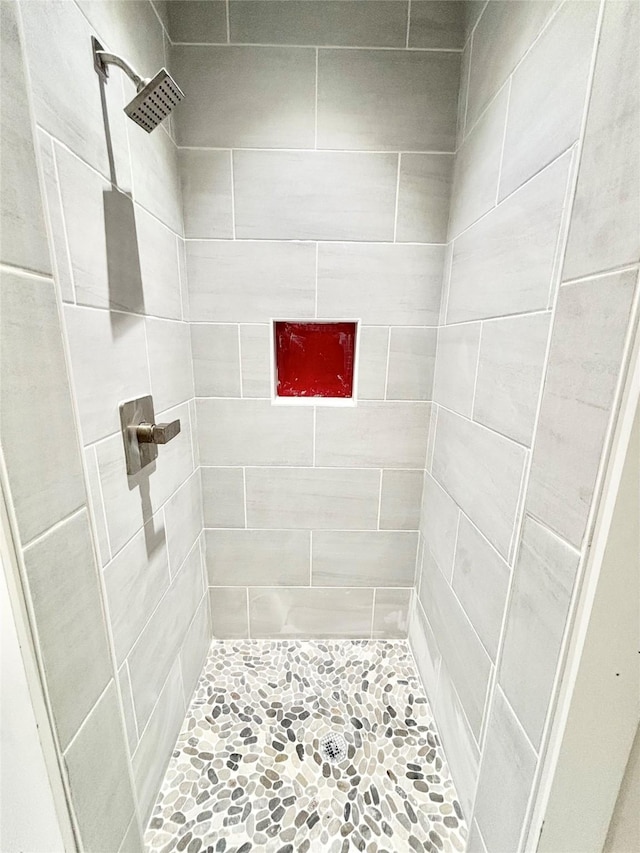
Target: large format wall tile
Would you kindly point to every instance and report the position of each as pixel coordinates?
(390, 435)
(437, 24)
(310, 612)
(216, 359)
(424, 189)
(480, 580)
(543, 581)
(183, 516)
(255, 360)
(52, 203)
(353, 281)
(197, 20)
(223, 497)
(481, 470)
(169, 349)
(194, 649)
(372, 362)
(412, 358)
(584, 364)
(400, 500)
(391, 613)
(294, 195)
(342, 558)
(344, 22)
(506, 776)
(467, 661)
(510, 367)
(245, 97)
(250, 281)
(97, 763)
(547, 97)
(64, 589)
(312, 498)
(425, 650)
(387, 100)
(456, 366)
(121, 24)
(41, 450)
(205, 177)
(255, 557)
(229, 613)
(253, 432)
(503, 264)
(605, 222)
(159, 265)
(438, 524)
(154, 166)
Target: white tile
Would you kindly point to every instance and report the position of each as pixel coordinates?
(437, 24)
(194, 649)
(310, 612)
(205, 177)
(169, 348)
(312, 498)
(391, 613)
(183, 517)
(216, 359)
(250, 281)
(255, 360)
(154, 166)
(353, 281)
(297, 195)
(374, 558)
(223, 497)
(159, 266)
(424, 191)
(412, 359)
(438, 524)
(229, 615)
(456, 364)
(256, 557)
(372, 364)
(400, 499)
(53, 210)
(372, 435)
(127, 709)
(425, 651)
(95, 493)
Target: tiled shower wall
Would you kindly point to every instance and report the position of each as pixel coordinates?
(544, 244)
(316, 151)
(115, 218)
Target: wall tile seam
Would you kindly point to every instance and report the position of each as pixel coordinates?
(133, 314)
(377, 400)
(482, 426)
(25, 272)
(285, 150)
(504, 141)
(159, 17)
(497, 318)
(280, 587)
(313, 46)
(227, 13)
(373, 610)
(313, 529)
(519, 517)
(204, 599)
(585, 279)
(299, 241)
(125, 666)
(67, 251)
(55, 527)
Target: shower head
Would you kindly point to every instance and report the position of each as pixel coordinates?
(156, 97)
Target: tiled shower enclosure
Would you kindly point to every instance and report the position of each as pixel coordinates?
(452, 176)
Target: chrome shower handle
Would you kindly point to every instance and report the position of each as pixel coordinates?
(157, 433)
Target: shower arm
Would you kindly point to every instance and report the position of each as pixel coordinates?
(103, 59)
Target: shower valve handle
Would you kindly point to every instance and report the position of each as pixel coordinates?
(157, 433)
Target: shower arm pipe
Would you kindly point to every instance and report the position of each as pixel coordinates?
(104, 58)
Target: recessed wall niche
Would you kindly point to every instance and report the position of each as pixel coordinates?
(314, 362)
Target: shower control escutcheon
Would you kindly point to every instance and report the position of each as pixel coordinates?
(141, 434)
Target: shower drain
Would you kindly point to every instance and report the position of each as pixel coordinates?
(333, 747)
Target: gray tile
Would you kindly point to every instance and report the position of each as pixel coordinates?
(95, 493)
(197, 20)
(24, 239)
(504, 263)
(387, 100)
(372, 364)
(464, 85)
(205, 177)
(467, 662)
(153, 656)
(480, 580)
(584, 363)
(183, 517)
(373, 435)
(438, 524)
(475, 844)
(504, 33)
(223, 497)
(132, 841)
(438, 24)
(159, 266)
(391, 613)
(510, 370)
(345, 22)
(36, 410)
(458, 740)
(64, 589)
(412, 359)
(473, 10)
(216, 359)
(543, 581)
(477, 169)
(245, 97)
(157, 742)
(135, 581)
(506, 777)
(194, 649)
(250, 281)
(605, 221)
(127, 709)
(353, 281)
(400, 500)
(255, 360)
(255, 557)
(169, 349)
(97, 764)
(253, 432)
(456, 366)
(297, 195)
(350, 558)
(425, 650)
(310, 612)
(154, 166)
(424, 191)
(312, 498)
(481, 470)
(229, 615)
(53, 211)
(130, 501)
(548, 92)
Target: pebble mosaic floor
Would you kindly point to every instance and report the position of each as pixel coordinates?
(247, 773)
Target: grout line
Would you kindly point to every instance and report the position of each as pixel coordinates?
(504, 140)
(358, 47)
(406, 42)
(318, 530)
(373, 610)
(317, 264)
(240, 363)
(244, 488)
(246, 589)
(64, 222)
(475, 379)
(308, 150)
(315, 125)
(228, 17)
(93, 450)
(311, 558)
(54, 527)
(315, 409)
(133, 707)
(380, 499)
(455, 549)
(233, 196)
(386, 375)
(395, 213)
(604, 274)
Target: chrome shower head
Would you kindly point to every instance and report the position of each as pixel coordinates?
(156, 97)
(155, 100)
